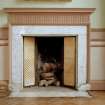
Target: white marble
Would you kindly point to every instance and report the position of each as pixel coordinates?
(49, 92)
(17, 49)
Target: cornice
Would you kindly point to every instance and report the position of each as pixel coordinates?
(51, 10)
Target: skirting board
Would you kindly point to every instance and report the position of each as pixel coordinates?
(4, 88)
(97, 85)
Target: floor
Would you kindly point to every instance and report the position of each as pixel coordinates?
(50, 91)
(97, 99)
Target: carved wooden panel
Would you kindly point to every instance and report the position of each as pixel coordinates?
(49, 19)
(69, 61)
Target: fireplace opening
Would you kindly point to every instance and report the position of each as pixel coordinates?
(49, 61)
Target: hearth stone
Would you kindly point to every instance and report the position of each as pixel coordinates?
(50, 91)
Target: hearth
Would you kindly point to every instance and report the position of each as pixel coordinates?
(48, 61)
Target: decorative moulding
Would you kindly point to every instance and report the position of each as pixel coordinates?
(97, 29)
(49, 16)
(51, 10)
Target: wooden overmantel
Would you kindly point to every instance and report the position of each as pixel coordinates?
(49, 16)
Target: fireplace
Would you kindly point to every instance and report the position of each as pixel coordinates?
(48, 61)
(71, 39)
(63, 30)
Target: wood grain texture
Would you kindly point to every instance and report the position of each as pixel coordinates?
(69, 61)
(4, 88)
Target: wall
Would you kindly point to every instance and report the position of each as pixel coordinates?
(4, 62)
(97, 61)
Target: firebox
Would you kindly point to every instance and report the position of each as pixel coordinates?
(49, 61)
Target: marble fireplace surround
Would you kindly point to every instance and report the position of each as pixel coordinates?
(48, 22)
